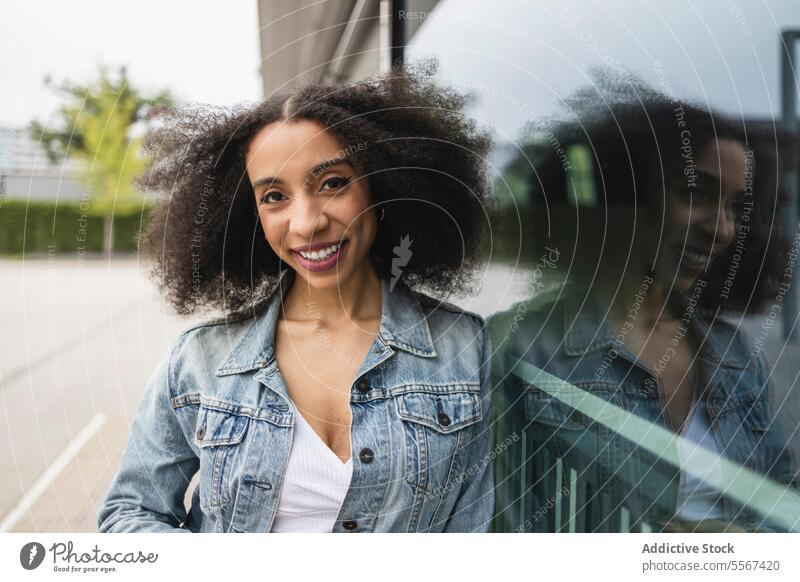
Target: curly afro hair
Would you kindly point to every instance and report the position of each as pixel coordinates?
(408, 135)
(633, 136)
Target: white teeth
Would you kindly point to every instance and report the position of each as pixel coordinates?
(321, 253)
(695, 257)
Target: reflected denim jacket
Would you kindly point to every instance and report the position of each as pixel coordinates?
(217, 404)
(574, 473)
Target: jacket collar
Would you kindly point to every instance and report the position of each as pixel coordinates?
(586, 330)
(404, 325)
(585, 327)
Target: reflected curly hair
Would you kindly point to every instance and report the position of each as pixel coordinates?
(634, 142)
(423, 159)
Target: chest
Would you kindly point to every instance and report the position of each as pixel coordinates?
(670, 358)
(318, 365)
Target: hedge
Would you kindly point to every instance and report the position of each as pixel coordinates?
(32, 223)
(31, 227)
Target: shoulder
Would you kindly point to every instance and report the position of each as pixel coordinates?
(724, 326)
(203, 347)
(458, 335)
(534, 314)
(444, 315)
(460, 339)
(226, 327)
(732, 341)
(212, 328)
(535, 330)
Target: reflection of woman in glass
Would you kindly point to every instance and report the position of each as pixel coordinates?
(663, 217)
(332, 395)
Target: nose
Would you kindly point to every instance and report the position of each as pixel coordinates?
(727, 228)
(719, 226)
(307, 217)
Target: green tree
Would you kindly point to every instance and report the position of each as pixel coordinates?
(97, 124)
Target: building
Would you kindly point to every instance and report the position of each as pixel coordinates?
(342, 40)
(27, 173)
(521, 60)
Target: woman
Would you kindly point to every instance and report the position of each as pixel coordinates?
(668, 212)
(331, 395)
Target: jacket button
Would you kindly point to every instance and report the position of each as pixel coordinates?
(366, 455)
(444, 420)
(363, 386)
(201, 432)
(349, 524)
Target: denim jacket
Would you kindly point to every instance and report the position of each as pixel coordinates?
(614, 485)
(420, 433)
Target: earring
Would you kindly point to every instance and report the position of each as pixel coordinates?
(383, 213)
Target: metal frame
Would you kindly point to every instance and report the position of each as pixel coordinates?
(791, 303)
(398, 33)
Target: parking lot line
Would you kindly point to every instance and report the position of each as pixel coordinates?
(51, 473)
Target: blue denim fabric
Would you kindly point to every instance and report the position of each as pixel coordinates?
(217, 403)
(572, 341)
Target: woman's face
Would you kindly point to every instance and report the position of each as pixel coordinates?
(700, 221)
(314, 208)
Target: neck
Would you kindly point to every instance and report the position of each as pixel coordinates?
(358, 298)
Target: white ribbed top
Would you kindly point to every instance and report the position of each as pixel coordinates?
(697, 500)
(315, 483)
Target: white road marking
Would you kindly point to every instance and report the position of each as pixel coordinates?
(49, 476)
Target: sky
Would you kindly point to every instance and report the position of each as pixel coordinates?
(523, 57)
(203, 51)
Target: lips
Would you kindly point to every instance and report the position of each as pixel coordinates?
(320, 256)
(694, 257)
(315, 247)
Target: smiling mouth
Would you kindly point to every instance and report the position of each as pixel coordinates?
(321, 259)
(320, 254)
(695, 258)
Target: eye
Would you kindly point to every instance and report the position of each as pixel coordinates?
(272, 197)
(335, 183)
(701, 195)
(736, 209)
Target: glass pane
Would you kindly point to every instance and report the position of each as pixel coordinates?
(646, 177)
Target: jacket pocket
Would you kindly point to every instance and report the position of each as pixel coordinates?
(542, 406)
(757, 451)
(551, 412)
(757, 415)
(218, 434)
(437, 438)
(444, 413)
(434, 423)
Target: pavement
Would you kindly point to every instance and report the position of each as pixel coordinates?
(79, 341)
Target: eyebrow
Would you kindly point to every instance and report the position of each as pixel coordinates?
(737, 194)
(311, 173)
(706, 176)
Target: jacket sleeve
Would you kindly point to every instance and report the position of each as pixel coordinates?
(147, 493)
(474, 507)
